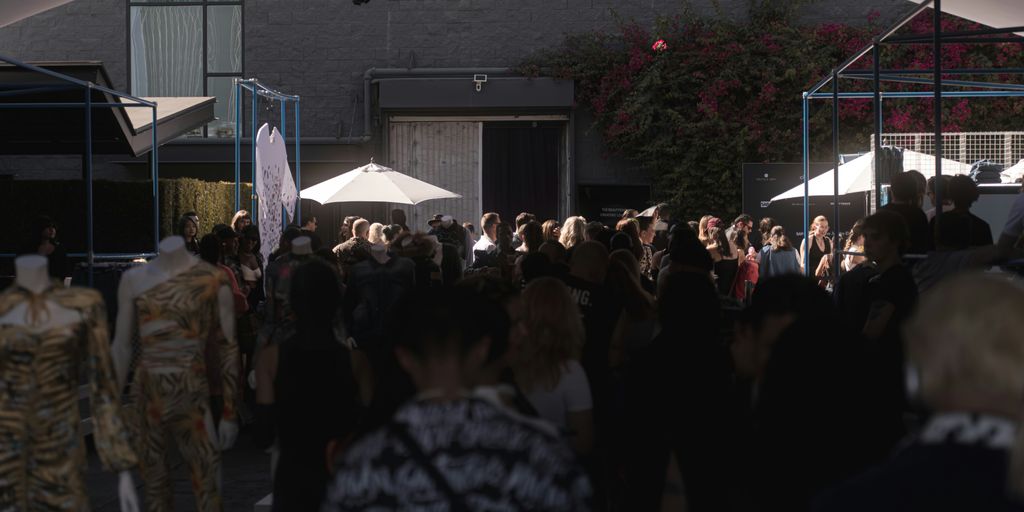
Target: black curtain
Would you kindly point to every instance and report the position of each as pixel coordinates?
(521, 168)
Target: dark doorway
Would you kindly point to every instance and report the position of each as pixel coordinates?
(521, 168)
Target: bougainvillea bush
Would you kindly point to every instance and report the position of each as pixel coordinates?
(694, 98)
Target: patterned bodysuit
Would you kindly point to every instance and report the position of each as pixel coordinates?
(176, 319)
(42, 457)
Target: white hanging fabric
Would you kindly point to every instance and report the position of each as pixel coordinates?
(274, 187)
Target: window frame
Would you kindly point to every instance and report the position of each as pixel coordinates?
(207, 74)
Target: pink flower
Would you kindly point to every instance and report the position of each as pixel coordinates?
(660, 45)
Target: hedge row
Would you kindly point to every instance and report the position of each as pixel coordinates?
(123, 215)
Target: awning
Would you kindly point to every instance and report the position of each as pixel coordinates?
(12, 11)
(992, 13)
(61, 130)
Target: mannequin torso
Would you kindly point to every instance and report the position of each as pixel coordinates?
(44, 332)
(176, 305)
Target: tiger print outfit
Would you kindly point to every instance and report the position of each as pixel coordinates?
(42, 456)
(176, 320)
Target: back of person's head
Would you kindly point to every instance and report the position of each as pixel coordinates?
(593, 230)
(532, 235)
(376, 233)
(523, 218)
(554, 250)
(683, 231)
(468, 226)
(488, 221)
(504, 236)
(590, 261)
(693, 225)
(941, 189)
(631, 227)
(620, 241)
(414, 246)
(209, 249)
(449, 321)
(629, 213)
(307, 219)
(742, 220)
(361, 228)
(963, 191)
(904, 188)
(686, 250)
(716, 235)
(555, 332)
(624, 281)
(535, 265)
(315, 295)
(765, 228)
(964, 342)
(391, 232)
(290, 234)
(688, 301)
(550, 228)
(740, 239)
(856, 232)
(779, 240)
(890, 225)
(920, 183)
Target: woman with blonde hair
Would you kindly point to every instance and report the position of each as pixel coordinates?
(816, 249)
(702, 230)
(240, 220)
(572, 232)
(965, 355)
(376, 235)
(547, 367)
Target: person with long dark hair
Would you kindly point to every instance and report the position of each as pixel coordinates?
(306, 391)
(188, 228)
(725, 256)
(778, 257)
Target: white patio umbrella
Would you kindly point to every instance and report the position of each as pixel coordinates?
(855, 175)
(376, 184)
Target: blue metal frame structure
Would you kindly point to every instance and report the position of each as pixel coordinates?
(258, 90)
(88, 105)
(877, 75)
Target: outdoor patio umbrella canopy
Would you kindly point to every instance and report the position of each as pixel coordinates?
(855, 175)
(376, 184)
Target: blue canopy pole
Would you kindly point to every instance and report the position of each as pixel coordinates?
(238, 145)
(154, 171)
(90, 253)
(807, 179)
(252, 212)
(298, 165)
(876, 56)
(835, 178)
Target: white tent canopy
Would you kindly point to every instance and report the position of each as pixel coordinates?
(993, 13)
(856, 175)
(376, 184)
(1014, 173)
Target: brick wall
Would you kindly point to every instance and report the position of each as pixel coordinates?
(320, 48)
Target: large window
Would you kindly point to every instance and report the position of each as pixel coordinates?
(187, 48)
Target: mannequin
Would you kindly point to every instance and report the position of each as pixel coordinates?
(45, 330)
(175, 305)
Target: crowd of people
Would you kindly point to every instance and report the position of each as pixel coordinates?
(529, 364)
(545, 365)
